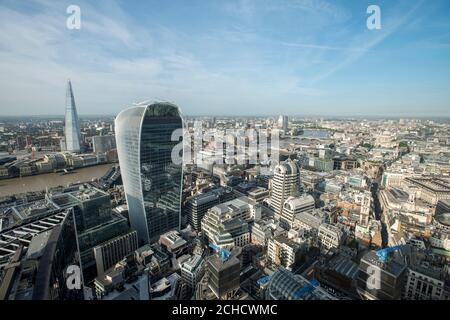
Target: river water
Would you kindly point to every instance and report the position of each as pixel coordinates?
(40, 182)
(315, 133)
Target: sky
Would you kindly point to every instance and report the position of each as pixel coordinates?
(243, 57)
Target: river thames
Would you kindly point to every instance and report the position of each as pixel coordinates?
(40, 182)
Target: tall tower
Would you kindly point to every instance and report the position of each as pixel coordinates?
(71, 128)
(146, 138)
(283, 122)
(285, 183)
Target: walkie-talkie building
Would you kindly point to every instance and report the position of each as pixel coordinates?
(71, 127)
(146, 136)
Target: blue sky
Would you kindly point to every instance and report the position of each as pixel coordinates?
(248, 57)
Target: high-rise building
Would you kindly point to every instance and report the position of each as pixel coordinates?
(285, 183)
(283, 122)
(95, 222)
(71, 127)
(146, 137)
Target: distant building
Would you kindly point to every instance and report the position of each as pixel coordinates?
(103, 144)
(71, 127)
(113, 285)
(425, 280)
(261, 232)
(442, 207)
(430, 190)
(343, 162)
(283, 122)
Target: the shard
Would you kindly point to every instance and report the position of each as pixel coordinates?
(72, 127)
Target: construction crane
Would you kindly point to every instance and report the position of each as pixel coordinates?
(308, 288)
(383, 254)
(224, 254)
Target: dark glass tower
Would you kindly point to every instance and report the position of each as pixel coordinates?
(146, 136)
(71, 127)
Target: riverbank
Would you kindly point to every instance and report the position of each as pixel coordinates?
(13, 186)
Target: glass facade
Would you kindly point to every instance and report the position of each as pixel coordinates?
(146, 137)
(71, 126)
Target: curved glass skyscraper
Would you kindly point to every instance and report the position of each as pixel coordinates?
(71, 126)
(146, 136)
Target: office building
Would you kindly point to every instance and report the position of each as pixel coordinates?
(329, 236)
(37, 271)
(72, 133)
(151, 178)
(285, 285)
(103, 144)
(283, 122)
(95, 222)
(226, 224)
(285, 183)
(224, 275)
(283, 251)
(296, 205)
(431, 190)
(192, 270)
(112, 251)
(425, 279)
(173, 243)
(378, 280)
(197, 206)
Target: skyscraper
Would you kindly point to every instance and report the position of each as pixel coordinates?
(72, 127)
(283, 122)
(285, 183)
(146, 138)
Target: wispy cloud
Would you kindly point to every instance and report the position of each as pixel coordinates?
(238, 57)
(370, 41)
